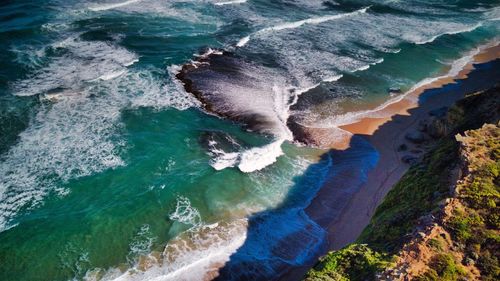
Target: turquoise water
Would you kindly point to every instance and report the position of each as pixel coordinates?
(109, 169)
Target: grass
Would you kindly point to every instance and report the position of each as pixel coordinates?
(443, 267)
(355, 262)
(476, 227)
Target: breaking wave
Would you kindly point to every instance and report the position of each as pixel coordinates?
(296, 24)
(110, 6)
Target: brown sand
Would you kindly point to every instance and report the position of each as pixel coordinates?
(385, 134)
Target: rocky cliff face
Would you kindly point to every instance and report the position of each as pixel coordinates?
(442, 220)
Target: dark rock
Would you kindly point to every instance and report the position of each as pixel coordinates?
(474, 256)
(421, 234)
(427, 219)
(458, 245)
(416, 151)
(421, 167)
(422, 125)
(442, 203)
(409, 159)
(415, 137)
(438, 128)
(402, 147)
(440, 112)
(436, 194)
(394, 90)
(469, 261)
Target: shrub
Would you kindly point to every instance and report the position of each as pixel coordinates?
(442, 267)
(354, 262)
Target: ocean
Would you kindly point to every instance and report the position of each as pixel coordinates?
(156, 139)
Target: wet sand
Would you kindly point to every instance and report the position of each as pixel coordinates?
(346, 216)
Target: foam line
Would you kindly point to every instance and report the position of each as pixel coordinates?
(112, 6)
(230, 2)
(296, 24)
(243, 41)
(472, 28)
(365, 67)
(317, 20)
(333, 78)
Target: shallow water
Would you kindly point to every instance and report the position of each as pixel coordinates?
(109, 169)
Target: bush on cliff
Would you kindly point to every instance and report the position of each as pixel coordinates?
(355, 262)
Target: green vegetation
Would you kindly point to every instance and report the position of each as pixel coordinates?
(436, 244)
(477, 226)
(355, 262)
(443, 267)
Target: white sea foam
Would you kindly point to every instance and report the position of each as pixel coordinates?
(141, 244)
(185, 213)
(74, 258)
(290, 25)
(229, 2)
(111, 75)
(150, 91)
(243, 41)
(110, 6)
(55, 27)
(29, 56)
(367, 66)
(85, 62)
(493, 14)
(316, 20)
(249, 160)
(451, 32)
(333, 78)
(209, 52)
(224, 159)
(260, 157)
(131, 62)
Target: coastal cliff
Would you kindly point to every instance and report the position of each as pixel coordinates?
(440, 221)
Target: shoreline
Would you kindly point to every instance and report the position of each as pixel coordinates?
(386, 134)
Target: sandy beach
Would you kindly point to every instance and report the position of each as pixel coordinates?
(345, 211)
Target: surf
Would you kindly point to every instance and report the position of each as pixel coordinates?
(291, 25)
(111, 6)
